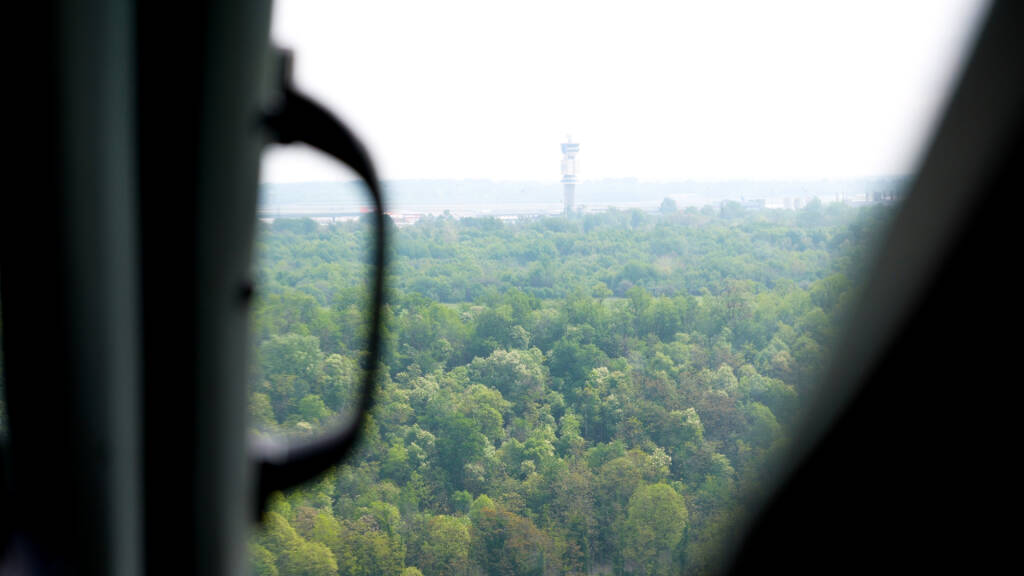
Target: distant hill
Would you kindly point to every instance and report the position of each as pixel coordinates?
(422, 194)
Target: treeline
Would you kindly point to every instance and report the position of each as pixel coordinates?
(589, 396)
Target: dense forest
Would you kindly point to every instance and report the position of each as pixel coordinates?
(595, 395)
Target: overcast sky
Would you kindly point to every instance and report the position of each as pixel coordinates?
(666, 90)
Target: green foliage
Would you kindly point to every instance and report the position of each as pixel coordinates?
(592, 396)
(313, 410)
(655, 523)
(308, 559)
(293, 553)
(443, 546)
(262, 561)
(504, 543)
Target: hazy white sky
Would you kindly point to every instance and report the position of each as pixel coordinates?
(666, 90)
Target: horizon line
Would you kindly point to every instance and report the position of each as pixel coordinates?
(617, 179)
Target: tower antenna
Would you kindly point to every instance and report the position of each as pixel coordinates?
(569, 165)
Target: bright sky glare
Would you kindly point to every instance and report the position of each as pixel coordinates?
(665, 90)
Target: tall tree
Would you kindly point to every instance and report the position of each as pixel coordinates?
(655, 524)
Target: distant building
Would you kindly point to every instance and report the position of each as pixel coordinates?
(569, 165)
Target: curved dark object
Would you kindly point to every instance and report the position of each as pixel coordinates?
(282, 464)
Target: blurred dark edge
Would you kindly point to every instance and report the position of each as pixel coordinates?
(904, 461)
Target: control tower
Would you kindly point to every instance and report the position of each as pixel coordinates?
(569, 166)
